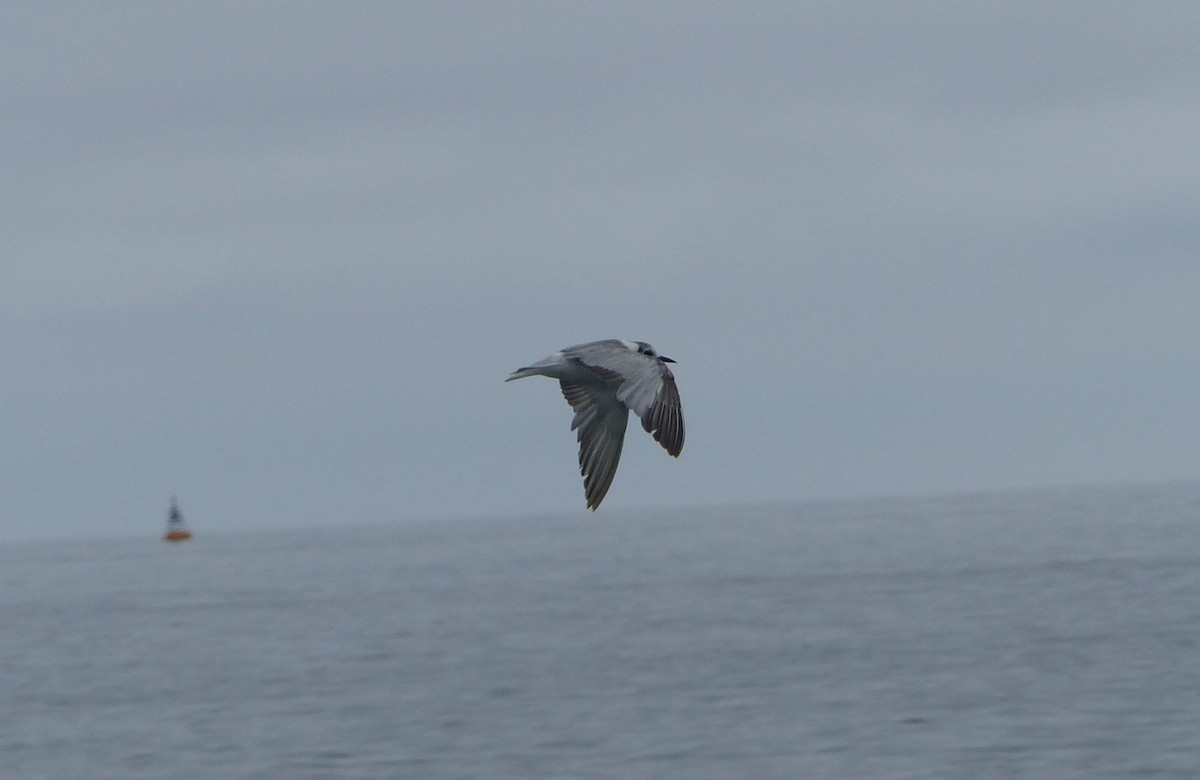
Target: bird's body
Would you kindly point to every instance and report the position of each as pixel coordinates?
(602, 381)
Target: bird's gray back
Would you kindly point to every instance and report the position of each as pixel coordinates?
(642, 375)
(595, 350)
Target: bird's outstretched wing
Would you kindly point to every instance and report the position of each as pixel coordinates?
(663, 418)
(601, 422)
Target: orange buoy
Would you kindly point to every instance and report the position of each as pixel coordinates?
(176, 530)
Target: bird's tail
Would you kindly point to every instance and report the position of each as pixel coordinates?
(521, 373)
(547, 366)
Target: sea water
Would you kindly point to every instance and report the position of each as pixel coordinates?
(1045, 634)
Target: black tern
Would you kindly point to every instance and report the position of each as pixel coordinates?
(602, 381)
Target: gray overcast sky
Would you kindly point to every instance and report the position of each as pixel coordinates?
(278, 258)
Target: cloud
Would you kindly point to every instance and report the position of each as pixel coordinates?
(278, 258)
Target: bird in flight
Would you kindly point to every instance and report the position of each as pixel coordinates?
(602, 381)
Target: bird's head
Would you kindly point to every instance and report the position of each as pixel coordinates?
(642, 348)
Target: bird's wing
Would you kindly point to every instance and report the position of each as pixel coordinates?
(663, 418)
(646, 386)
(601, 422)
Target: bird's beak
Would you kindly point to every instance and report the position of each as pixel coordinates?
(665, 359)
